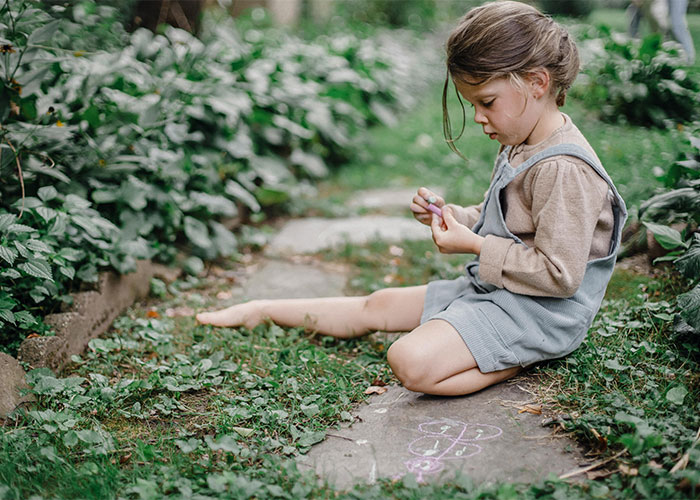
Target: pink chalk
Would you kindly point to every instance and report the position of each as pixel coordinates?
(434, 209)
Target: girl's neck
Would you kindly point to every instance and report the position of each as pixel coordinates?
(550, 120)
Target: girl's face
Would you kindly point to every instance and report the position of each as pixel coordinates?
(507, 113)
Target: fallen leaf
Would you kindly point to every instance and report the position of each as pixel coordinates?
(597, 474)
(534, 409)
(33, 335)
(223, 295)
(396, 251)
(378, 382)
(373, 389)
(244, 431)
(124, 458)
(152, 314)
(628, 471)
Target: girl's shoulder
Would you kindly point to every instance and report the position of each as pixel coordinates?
(568, 133)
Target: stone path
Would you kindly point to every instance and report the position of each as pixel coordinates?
(493, 435)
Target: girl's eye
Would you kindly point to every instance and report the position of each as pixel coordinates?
(488, 104)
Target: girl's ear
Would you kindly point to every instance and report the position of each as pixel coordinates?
(538, 82)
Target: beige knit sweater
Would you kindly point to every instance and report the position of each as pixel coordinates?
(561, 209)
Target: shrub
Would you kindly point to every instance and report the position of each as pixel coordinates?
(679, 204)
(642, 82)
(164, 139)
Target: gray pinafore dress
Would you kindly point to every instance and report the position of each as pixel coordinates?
(503, 329)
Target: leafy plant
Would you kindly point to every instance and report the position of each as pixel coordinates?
(642, 82)
(680, 206)
(167, 138)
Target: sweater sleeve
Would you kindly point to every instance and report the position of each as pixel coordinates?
(567, 199)
(467, 216)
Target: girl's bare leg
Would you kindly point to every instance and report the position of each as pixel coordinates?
(434, 359)
(390, 310)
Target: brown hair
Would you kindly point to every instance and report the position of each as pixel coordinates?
(508, 40)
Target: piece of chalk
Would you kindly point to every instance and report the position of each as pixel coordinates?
(431, 199)
(435, 209)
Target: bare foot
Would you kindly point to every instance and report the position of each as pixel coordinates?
(248, 314)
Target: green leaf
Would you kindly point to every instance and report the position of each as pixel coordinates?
(46, 213)
(7, 315)
(68, 272)
(677, 394)
(8, 254)
(47, 193)
(43, 34)
(6, 221)
(310, 438)
(193, 265)
(240, 193)
(310, 410)
(689, 304)
(196, 231)
(225, 443)
(689, 262)
(667, 237)
(21, 228)
(38, 246)
(37, 268)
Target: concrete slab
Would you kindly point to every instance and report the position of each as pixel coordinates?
(314, 234)
(481, 435)
(282, 280)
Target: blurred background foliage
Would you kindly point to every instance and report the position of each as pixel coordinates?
(137, 129)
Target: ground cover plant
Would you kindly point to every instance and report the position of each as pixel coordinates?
(164, 139)
(162, 408)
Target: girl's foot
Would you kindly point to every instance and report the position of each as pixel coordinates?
(248, 315)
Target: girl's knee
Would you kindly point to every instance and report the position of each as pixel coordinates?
(408, 364)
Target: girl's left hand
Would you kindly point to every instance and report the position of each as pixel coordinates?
(452, 237)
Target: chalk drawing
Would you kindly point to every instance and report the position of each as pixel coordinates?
(446, 439)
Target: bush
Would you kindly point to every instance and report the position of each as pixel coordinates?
(155, 144)
(679, 205)
(642, 82)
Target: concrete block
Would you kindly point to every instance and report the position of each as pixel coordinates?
(91, 315)
(11, 383)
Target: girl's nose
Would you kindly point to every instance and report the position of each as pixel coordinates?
(479, 117)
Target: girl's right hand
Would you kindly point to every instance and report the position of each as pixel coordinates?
(419, 205)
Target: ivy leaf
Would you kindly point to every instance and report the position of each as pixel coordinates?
(689, 304)
(677, 394)
(37, 268)
(8, 254)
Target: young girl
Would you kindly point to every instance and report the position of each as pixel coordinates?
(545, 236)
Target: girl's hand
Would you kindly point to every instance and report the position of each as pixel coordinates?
(452, 237)
(419, 206)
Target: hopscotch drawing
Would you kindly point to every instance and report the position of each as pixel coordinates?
(446, 439)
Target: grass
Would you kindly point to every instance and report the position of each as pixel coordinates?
(161, 407)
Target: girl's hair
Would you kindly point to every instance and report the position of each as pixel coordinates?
(508, 39)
